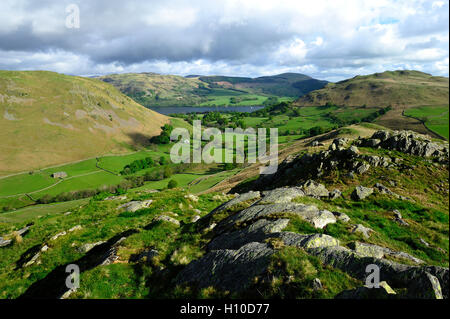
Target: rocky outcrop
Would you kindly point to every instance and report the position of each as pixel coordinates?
(384, 291)
(361, 192)
(5, 242)
(408, 142)
(314, 189)
(228, 269)
(134, 206)
(244, 241)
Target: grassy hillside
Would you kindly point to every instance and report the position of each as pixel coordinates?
(395, 88)
(48, 118)
(434, 118)
(155, 90)
(127, 237)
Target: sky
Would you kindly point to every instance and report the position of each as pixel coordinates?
(330, 40)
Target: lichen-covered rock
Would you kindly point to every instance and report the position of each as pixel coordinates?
(342, 217)
(55, 237)
(336, 193)
(168, 219)
(314, 189)
(134, 206)
(87, 247)
(410, 143)
(5, 242)
(226, 269)
(309, 213)
(367, 250)
(281, 195)
(365, 231)
(361, 192)
(384, 291)
(238, 203)
(256, 232)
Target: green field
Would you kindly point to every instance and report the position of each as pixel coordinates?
(434, 117)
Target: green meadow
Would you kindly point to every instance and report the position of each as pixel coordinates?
(435, 118)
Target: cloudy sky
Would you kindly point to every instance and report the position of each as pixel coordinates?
(329, 40)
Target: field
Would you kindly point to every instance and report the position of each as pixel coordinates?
(435, 118)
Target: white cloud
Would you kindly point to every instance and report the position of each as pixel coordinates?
(327, 39)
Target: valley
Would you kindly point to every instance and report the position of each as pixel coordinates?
(352, 188)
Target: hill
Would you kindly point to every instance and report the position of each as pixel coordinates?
(155, 90)
(395, 88)
(49, 118)
(399, 89)
(308, 231)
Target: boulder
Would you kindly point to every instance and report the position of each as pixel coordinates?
(384, 291)
(342, 217)
(365, 231)
(55, 237)
(165, 218)
(256, 232)
(361, 192)
(281, 195)
(314, 189)
(227, 269)
(87, 247)
(195, 218)
(134, 206)
(336, 193)
(5, 242)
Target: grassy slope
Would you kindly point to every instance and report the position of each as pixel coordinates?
(435, 118)
(49, 118)
(396, 88)
(427, 215)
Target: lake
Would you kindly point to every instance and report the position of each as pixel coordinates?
(191, 109)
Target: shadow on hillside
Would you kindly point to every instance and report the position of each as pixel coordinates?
(139, 140)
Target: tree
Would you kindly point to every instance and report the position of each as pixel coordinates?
(167, 172)
(172, 184)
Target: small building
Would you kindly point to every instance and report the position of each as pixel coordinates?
(59, 175)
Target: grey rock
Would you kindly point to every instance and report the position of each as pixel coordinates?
(195, 219)
(424, 242)
(362, 168)
(397, 213)
(256, 232)
(227, 269)
(336, 193)
(365, 231)
(342, 217)
(55, 237)
(5, 242)
(314, 189)
(238, 203)
(384, 291)
(372, 142)
(361, 192)
(134, 206)
(165, 218)
(87, 247)
(317, 284)
(281, 195)
(309, 213)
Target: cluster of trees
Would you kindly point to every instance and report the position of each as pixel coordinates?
(164, 137)
(141, 164)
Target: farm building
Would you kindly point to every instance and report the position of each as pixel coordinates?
(59, 175)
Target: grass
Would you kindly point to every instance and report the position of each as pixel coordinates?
(55, 118)
(435, 118)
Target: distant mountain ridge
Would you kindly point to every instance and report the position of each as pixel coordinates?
(151, 89)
